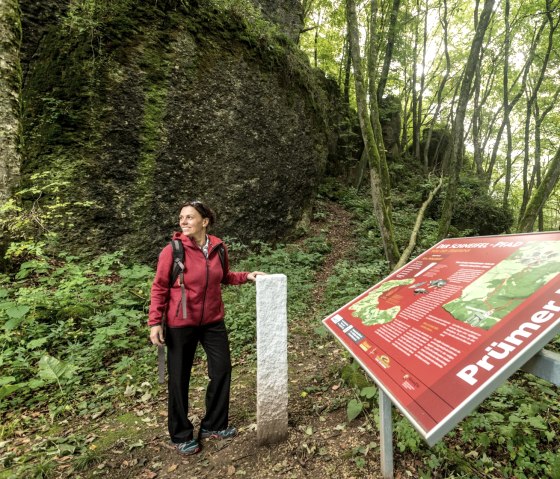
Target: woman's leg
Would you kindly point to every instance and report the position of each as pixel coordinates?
(214, 340)
(181, 346)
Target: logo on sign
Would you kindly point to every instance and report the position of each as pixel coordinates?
(384, 361)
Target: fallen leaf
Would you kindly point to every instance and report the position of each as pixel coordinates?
(335, 387)
(97, 414)
(231, 470)
(172, 467)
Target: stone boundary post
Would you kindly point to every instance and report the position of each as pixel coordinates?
(272, 359)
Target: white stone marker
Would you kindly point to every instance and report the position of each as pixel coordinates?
(272, 358)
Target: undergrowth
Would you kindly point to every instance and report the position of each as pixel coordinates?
(74, 342)
(513, 434)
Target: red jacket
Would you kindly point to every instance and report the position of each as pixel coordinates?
(202, 278)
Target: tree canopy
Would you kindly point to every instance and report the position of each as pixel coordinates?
(484, 71)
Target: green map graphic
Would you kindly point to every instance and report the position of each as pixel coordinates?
(367, 309)
(499, 291)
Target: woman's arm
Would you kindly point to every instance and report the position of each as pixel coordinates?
(160, 287)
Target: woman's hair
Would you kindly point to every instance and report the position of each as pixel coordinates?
(205, 211)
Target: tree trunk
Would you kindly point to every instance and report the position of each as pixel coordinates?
(505, 102)
(538, 179)
(374, 107)
(530, 102)
(381, 212)
(391, 35)
(317, 39)
(542, 193)
(346, 90)
(415, 112)
(509, 107)
(439, 101)
(422, 85)
(457, 131)
(10, 94)
(417, 224)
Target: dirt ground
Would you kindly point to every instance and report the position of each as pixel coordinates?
(321, 442)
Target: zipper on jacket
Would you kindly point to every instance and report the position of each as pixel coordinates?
(205, 289)
(206, 286)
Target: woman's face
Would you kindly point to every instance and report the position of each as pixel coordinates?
(192, 223)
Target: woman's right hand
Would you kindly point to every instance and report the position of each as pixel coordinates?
(156, 335)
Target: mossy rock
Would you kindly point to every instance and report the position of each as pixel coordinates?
(157, 103)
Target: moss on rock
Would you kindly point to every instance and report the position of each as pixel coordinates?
(142, 106)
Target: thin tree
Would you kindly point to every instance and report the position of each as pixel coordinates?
(439, 97)
(373, 105)
(507, 109)
(456, 160)
(10, 93)
(378, 199)
(539, 119)
(542, 193)
(391, 36)
(531, 101)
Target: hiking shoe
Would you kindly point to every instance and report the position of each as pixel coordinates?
(188, 448)
(223, 434)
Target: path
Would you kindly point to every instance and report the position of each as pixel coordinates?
(320, 444)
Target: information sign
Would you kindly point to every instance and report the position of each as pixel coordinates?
(440, 334)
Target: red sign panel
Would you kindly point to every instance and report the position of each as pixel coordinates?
(440, 334)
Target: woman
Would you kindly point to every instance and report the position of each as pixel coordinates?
(201, 281)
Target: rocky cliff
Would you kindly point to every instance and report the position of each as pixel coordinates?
(133, 107)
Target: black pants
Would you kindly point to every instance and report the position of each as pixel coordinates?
(181, 346)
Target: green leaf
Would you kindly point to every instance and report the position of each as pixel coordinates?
(368, 392)
(7, 380)
(51, 369)
(12, 324)
(538, 422)
(353, 409)
(17, 312)
(35, 343)
(8, 389)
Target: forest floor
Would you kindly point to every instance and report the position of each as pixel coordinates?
(131, 440)
(321, 442)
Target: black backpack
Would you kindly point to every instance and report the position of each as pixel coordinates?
(179, 258)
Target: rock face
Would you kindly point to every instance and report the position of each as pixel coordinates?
(288, 14)
(141, 106)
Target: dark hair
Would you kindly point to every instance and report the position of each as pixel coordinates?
(205, 211)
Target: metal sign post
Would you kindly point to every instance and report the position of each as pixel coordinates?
(386, 426)
(545, 365)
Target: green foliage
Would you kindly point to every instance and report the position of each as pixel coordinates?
(475, 212)
(364, 401)
(71, 324)
(513, 434)
(298, 263)
(28, 218)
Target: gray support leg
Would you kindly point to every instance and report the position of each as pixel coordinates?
(272, 359)
(386, 435)
(546, 365)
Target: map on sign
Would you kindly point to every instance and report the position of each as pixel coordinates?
(499, 291)
(440, 334)
(368, 309)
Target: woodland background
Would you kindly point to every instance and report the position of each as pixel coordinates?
(421, 119)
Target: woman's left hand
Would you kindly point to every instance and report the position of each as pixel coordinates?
(253, 276)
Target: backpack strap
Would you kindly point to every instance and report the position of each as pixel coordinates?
(177, 270)
(222, 255)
